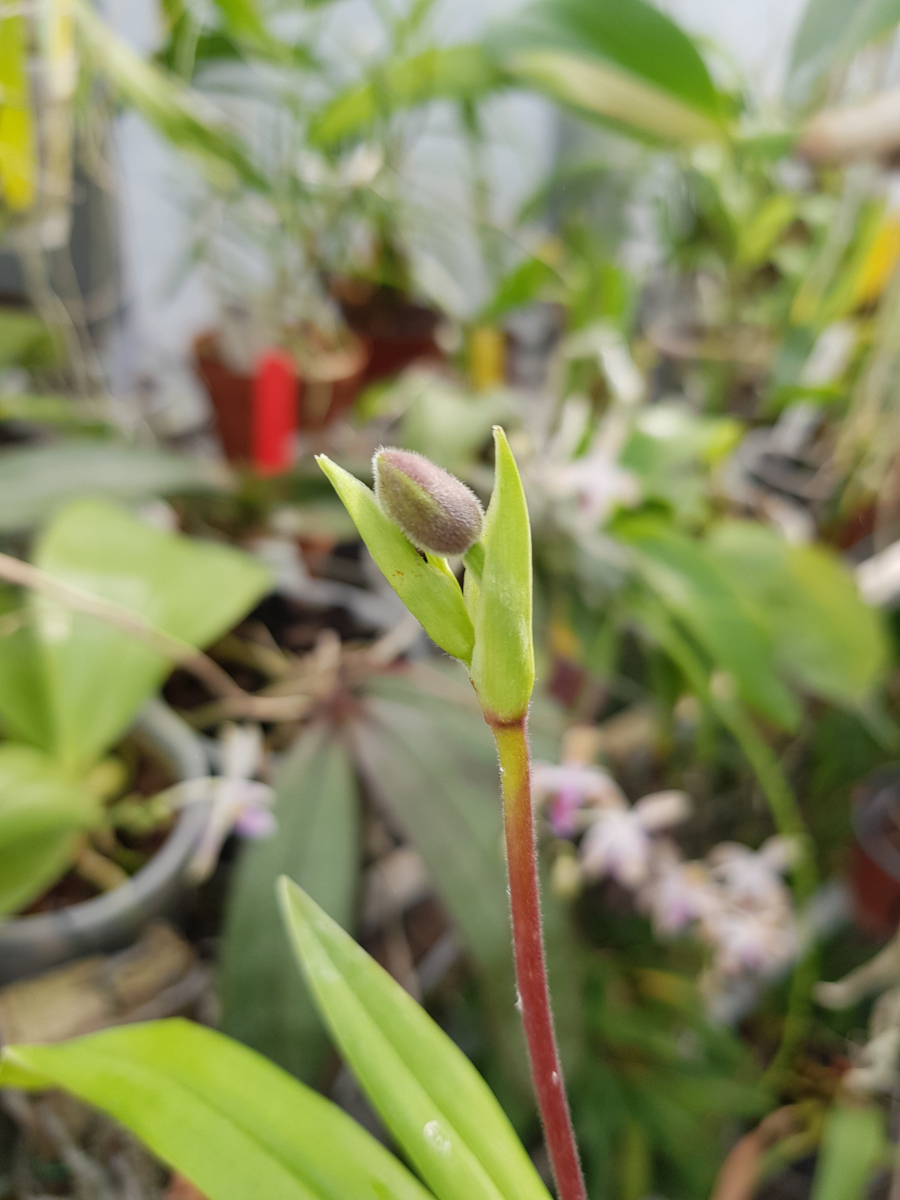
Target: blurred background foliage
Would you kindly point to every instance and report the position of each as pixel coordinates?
(689, 328)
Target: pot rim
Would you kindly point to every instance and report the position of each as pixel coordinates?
(169, 735)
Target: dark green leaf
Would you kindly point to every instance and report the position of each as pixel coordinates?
(265, 1004)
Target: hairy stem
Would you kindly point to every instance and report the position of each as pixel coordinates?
(531, 967)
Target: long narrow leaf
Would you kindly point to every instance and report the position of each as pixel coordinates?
(427, 1092)
(231, 1122)
(265, 1004)
(853, 1140)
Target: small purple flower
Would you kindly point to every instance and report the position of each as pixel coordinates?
(237, 801)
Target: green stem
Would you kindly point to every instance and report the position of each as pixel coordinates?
(782, 805)
(531, 967)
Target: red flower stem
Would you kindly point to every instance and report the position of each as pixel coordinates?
(531, 967)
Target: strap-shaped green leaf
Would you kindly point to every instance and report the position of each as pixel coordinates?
(432, 596)
(853, 1142)
(236, 1125)
(503, 662)
(427, 1092)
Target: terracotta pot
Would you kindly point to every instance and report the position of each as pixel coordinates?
(397, 331)
(322, 400)
(875, 861)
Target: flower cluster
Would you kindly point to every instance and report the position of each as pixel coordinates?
(734, 900)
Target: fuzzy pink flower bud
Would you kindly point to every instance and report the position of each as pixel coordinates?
(437, 512)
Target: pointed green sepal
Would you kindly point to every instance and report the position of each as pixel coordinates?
(431, 594)
(503, 662)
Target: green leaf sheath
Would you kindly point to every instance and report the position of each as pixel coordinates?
(230, 1121)
(503, 662)
(429, 1095)
(432, 595)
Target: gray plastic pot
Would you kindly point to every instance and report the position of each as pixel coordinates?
(30, 945)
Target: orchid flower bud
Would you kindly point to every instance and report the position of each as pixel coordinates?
(437, 512)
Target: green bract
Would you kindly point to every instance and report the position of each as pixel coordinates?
(429, 591)
(424, 506)
(503, 663)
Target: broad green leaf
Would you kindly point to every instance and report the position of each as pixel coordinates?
(233, 1123)
(830, 33)
(451, 73)
(825, 638)
(671, 449)
(17, 155)
(681, 572)
(853, 1143)
(432, 596)
(24, 702)
(37, 480)
(265, 1004)
(97, 677)
(503, 660)
(165, 102)
(41, 814)
(426, 1091)
(622, 60)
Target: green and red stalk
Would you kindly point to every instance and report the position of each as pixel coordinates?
(531, 967)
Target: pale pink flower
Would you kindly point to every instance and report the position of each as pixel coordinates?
(678, 892)
(237, 801)
(753, 877)
(758, 942)
(571, 788)
(619, 842)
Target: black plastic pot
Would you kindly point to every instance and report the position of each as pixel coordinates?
(30, 945)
